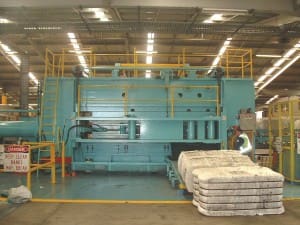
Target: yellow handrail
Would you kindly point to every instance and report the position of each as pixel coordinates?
(35, 166)
(236, 62)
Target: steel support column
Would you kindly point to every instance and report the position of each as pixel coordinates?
(24, 83)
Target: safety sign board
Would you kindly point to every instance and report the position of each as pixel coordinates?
(16, 158)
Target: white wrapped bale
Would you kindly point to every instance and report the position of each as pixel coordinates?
(237, 185)
(244, 174)
(244, 212)
(203, 162)
(235, 206)
(239, 199)
(241, 192)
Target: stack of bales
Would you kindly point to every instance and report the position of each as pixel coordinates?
(225, 183)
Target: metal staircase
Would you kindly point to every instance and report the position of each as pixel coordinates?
(48, 121)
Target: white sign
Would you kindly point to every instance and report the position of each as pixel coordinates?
(298, 142)
(16, 158)
(1, 154)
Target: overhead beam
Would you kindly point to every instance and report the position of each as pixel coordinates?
(161, 27)
(266, 5)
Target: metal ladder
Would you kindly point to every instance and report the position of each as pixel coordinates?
(48, 117)
(48, 120)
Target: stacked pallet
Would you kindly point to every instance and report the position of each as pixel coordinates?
(225, 183)
(191, 160)
(245, 190)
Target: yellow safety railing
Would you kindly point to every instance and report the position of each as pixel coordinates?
(172, 101)
(49, 164)
(237, 63)
(282, 119)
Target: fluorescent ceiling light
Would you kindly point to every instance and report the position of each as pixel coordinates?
(149, 59)
(257, 83)
(262, 78)
(5, 48)
(75, 46)
(271, 99)
(278, 73)
(79, 52)
(208, 21)
(100, 13)
(217, 17)
(73, 40)
(225, 11)
(270, 70)
(16, 59)
(216, 60)
(146, 52)
(268, 56)
(4, 20)
(150, 41)
(213, 18)
(220, 53)
(71, 35)
(290, 52)
(149, 48)
(148, 74)
(150, 35)
(222, 50)
(297, 45)
(279, 62)
(33, 78)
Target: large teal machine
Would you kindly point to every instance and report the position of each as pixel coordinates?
(122, 123)
(137, 124)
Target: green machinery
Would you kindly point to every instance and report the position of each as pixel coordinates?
(284, 136)
(134, 123)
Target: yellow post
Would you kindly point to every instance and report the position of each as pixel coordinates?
(183, 61)
(134, 62)
(4, 99)
(78, 100)
(94, 61)
(63, 160)
(53, 65)
(243, 67)
(183, 56)
(218, 109)
(178, 62)
(52, 159)
(292, 141)
(227, 64)
(270, 130)
(63, 64)
(172, 102)
(46, 63)
(251, 69)
(28, 182)
(29, 179)
(280, 135)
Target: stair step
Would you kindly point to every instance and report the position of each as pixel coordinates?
(48, 116)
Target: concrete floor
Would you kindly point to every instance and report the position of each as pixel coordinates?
(131, 214)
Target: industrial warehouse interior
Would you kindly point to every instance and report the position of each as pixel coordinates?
(149, 112)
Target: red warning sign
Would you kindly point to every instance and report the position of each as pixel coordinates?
(16, 158)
